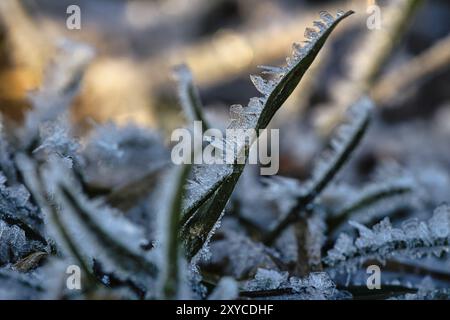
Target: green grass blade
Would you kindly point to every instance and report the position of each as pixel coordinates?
(257, 115)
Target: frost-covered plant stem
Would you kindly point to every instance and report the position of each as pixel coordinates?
(302, 267)
(189, 96)
(383, 241)
(257, 115)
(366, 201)
(341, 149)
(196, 230)
(310, 234)
(35, 184)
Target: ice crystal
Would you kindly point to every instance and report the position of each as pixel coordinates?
(204, 180)
(316, 286)
(278, 71)
(310, 33)
(326, 17)
(267, 280)
(56, 138)
(413, 239)
(426, 290)
(264, 86)
(320, 25)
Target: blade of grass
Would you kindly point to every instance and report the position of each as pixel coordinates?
(171, 278)
(189, 96)
(327, 168)
(257, 116)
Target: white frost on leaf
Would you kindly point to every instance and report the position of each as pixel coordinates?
(100, 232)
(427, 290)
(413, 239)
(262, 85)
(204, 178)
(283, 192)
(358, 116)
(392, 188)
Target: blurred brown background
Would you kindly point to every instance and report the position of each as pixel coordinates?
(138, 42)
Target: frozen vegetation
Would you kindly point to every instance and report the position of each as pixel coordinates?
(139, 227)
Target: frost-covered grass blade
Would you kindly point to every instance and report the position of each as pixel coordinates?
(347, 138)
(171, 276)
(257, 115)
(413, 239)
(189, 96)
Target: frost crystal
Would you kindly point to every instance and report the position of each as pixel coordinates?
(311, 34)
(278, 71)
(320, 25)
(326, 17)
(340, 13)
(439, 223)
(204, 179)
(263, 86)
(414, 239)
(245, 117)
(316, 286)
(319, 280)
(56, 138)
(267, 280)
(342, 248)
(427, 290)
